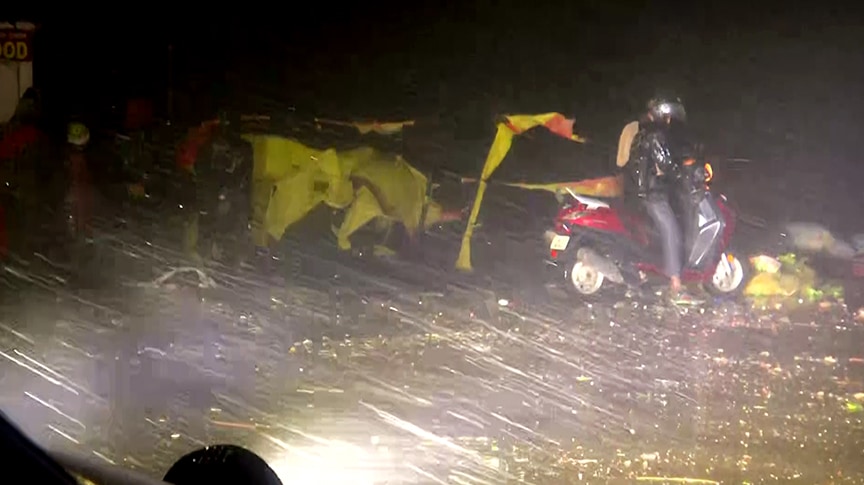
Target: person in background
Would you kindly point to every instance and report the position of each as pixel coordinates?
(79, 197)
(653, 166)
(136, 146)
(15, 137)
(226, 181)
(23, 150)
(21, 137)
(216, 165)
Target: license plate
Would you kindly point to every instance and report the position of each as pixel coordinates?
(858, 268)
(559, 243)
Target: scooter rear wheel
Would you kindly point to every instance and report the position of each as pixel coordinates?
(583, 279)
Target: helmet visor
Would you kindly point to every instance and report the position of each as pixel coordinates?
(670, 109)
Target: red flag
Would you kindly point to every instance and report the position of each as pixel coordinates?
(561, 126)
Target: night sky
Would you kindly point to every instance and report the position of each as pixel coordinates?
(780, 82)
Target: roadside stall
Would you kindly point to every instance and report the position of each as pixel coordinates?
(16, 65)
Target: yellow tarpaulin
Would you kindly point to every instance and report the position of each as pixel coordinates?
(292, 179)
(510, 126)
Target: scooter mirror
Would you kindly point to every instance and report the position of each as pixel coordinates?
(221, 465)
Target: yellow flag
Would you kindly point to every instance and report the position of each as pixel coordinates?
(512, 125)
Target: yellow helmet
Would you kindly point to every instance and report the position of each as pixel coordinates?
(77, 134)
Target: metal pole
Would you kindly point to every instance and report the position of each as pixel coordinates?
(170, 101)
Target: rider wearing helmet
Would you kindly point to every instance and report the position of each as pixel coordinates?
(655, 155)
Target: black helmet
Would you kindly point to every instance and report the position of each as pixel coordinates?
(667, 107)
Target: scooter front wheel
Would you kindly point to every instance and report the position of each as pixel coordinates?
(729, 277)
(582, 278)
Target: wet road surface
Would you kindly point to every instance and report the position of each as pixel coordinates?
(360, 380)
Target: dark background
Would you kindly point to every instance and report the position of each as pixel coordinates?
(776, 83)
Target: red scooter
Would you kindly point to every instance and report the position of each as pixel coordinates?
(594, 241)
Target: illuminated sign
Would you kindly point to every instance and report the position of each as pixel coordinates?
(16, 45)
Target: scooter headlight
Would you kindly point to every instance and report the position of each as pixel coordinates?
(709, 172)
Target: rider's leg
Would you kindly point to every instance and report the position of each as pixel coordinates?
(670, 237)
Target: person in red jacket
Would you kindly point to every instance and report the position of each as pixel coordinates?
(217, 166)
(21, 152)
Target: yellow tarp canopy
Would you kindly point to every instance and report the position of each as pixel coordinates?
(292, 179)
(513, 125)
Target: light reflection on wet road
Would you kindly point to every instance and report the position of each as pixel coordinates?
(434, 388)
